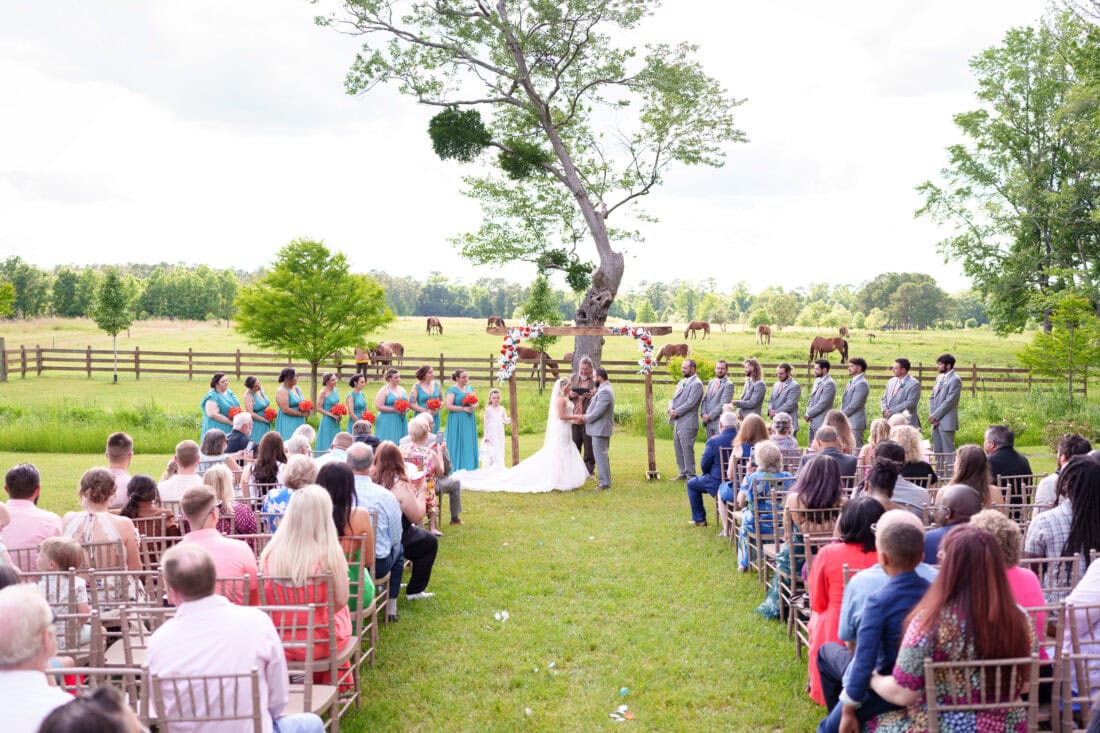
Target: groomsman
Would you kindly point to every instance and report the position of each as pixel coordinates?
(719, 392)
(785, 395)
(752, 396)
(853, 402)
(902, 393)
(943, 405)
(683, 414)
(822, 397)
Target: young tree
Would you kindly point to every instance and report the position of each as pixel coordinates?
(64, 293)
(1072, 347)
(111, 308)
(310, 305)
(7, 298)
(580, 126)
(542, 306)
(646, 315)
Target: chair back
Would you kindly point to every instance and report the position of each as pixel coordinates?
(1049, 622)
(25, 559)
(240, 590)
(140, 622)
(151, 548)
(725, 453)
(848, 573)
(950, 688)
(943, 463)
(85, 680)
(1080, 664)
(1057, 575)
(104, 555)
(151, 526)
(768, 495)
(82, 637)
(317, 591)
(792, 459)
(268, 522)
(925, 482)
(172, 506)
(1019, 488)
(208, 699)
(110, 590)
(256, 541)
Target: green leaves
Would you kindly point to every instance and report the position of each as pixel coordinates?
(1072, 347)
(458, 134)
(111, 305)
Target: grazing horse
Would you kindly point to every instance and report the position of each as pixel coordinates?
(764, 334)
(526, 353)
(386, 352)
(434, 326)
(871, 337)
(495, 321)
(844, 332)
(822, 345)
(697, 326)
(670, 350)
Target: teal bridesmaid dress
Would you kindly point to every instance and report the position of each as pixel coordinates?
(329, 426)
(422, 401)
(392, 425)
(225, 402)
(287, 424)
(260, 402)
(462, 434)
(358, 406)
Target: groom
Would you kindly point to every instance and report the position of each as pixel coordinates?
(598, 423)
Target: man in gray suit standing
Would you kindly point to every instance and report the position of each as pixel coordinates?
(719, 391)
(785, 395)
(902, 393)
(853, 403)
(943, 405)
(752, 396)
(822, 397)
(598, 423)
(683, 414)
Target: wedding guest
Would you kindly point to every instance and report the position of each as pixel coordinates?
(27, 643)
(972, 469)
(95, 524)
(914, 466)
(120, 451)
(362, 431)
(29, 525)
(233, 559)
(880, 431)
(143, 501)
(187, 465)
(220, 480)
(845, 438)
(957, 504)
(389, 555)
(263, 475)
(300, 471)
(710, 479)
(1046, 494)
(782, 433)
(420, 546)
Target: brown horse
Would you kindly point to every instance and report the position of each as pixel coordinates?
(527, 354)
(434, 326)
(670, 350)
(764, 334)
(871, 337)
(387, 352)
(697, 326)
(822, 345)
(844, 332)
(495, 321)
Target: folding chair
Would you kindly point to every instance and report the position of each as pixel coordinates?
(1017, 676)
(1057, 575)
(256, 541)
(105, 555)
(85, 680)
(151, 549)
(151, 526)
(268, 522)
(239, 590)
(792, 460)
(1080, 664)
(364, 616)
(799, 620)
(84, 650)
(299, 627)
(1050, 623)
(1019, 489)
(207, 700)
(138, 624)
(24, 558)
(767, 512)
(943, 463)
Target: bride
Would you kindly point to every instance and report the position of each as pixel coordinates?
(557, 465)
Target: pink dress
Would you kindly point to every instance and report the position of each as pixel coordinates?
(826, 588)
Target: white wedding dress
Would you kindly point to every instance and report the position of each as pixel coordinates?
(556, 466)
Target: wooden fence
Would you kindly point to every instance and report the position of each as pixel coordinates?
(37, 361)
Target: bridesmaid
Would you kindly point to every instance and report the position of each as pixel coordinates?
(356, 402)
(216, 404)
(330, 424)
(461, 424)
(391, 425)
(287, 398)
(255, 402)
(426, 388)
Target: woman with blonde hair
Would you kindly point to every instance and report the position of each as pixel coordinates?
(880, 431)
(908, 437)
(220, 480)
(844, 435)
(300, 470)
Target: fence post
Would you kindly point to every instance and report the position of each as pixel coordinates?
(137, 364)
(238, 363)
(88, 361)
(973, 378)
(920, 371)
(442, 367)
(38, 359)
(190, 356)
(22, 361)
(3, 360)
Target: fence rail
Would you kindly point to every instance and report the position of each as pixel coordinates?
(38, 360)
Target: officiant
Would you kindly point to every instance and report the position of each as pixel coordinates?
(583, 385)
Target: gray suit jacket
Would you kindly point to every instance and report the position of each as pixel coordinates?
(688, 395)
(853, 402)
(713, 399)
(943, 405)
(786, 400)
(752, 398)
(599, 419)
(821, 401)
(901, 398)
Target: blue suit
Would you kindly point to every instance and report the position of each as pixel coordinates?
(711, 477)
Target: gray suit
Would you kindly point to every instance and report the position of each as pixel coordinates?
(943, 406)
(598, 423)
(786, 400)
(902, 395)
(853, 403)
(752, 398)
(717, 393)
(822, 397)
(685, 428)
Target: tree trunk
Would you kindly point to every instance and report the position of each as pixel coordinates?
(313, 383)
(114, 342)
(597, 302)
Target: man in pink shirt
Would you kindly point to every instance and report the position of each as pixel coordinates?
(209, 635)
(29, 524)
(120, 451)
(232, 558)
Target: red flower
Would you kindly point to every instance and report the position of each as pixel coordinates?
(305, 406)
(470, 400)
(339, 410)
(401, 406)
(270, 413)
(233, 412)
(368, 416)
(434, 404)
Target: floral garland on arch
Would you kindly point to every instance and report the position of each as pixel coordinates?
(644, 339)
(508, 355)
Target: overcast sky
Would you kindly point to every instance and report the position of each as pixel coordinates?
(215, 132)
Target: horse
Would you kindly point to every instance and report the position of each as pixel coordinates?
(822, 345)
(697, 326)
(386, 352)
(670, 350)
(871, 337)
(495, 321)
(844, 332)
(526, 353)
(434, 326)
(764, 334)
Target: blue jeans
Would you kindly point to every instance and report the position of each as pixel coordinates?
(396, 562)
(299, 723)
(696, 487)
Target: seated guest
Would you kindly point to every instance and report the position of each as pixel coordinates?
(388, 553)
(845, 438)
(769, 461)
(240, 437)
(143, 501)
(57, 555)
(445, 483)
(968, 614)
(29, 525)
(899, 547)
(914, 465)
(880, 431)
(957, 504)
(213, 452)
(781, 428)
(5, 520)
(827, 445)
(300, 471)
(363, 432)
(262, 476)
(972, 469)
(95, 524)
(232, 558)
(421, 546)
(882, 477)
(906, 493)
(428, 458)
(101, 709)
(220, 481)
(1046, 495)
(1085, 593)
(187, 465)
(299, 445)
(337, 451)
(304, 431)
(120, 451)
(350, 520)
(1072, 527)
(1004, 459)
(27, 642)
(710, 465)
(209, 635)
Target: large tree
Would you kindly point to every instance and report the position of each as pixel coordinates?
(581, 124)
(1021, 193)
(310, 305)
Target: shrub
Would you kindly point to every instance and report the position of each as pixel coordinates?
(1053, 431)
